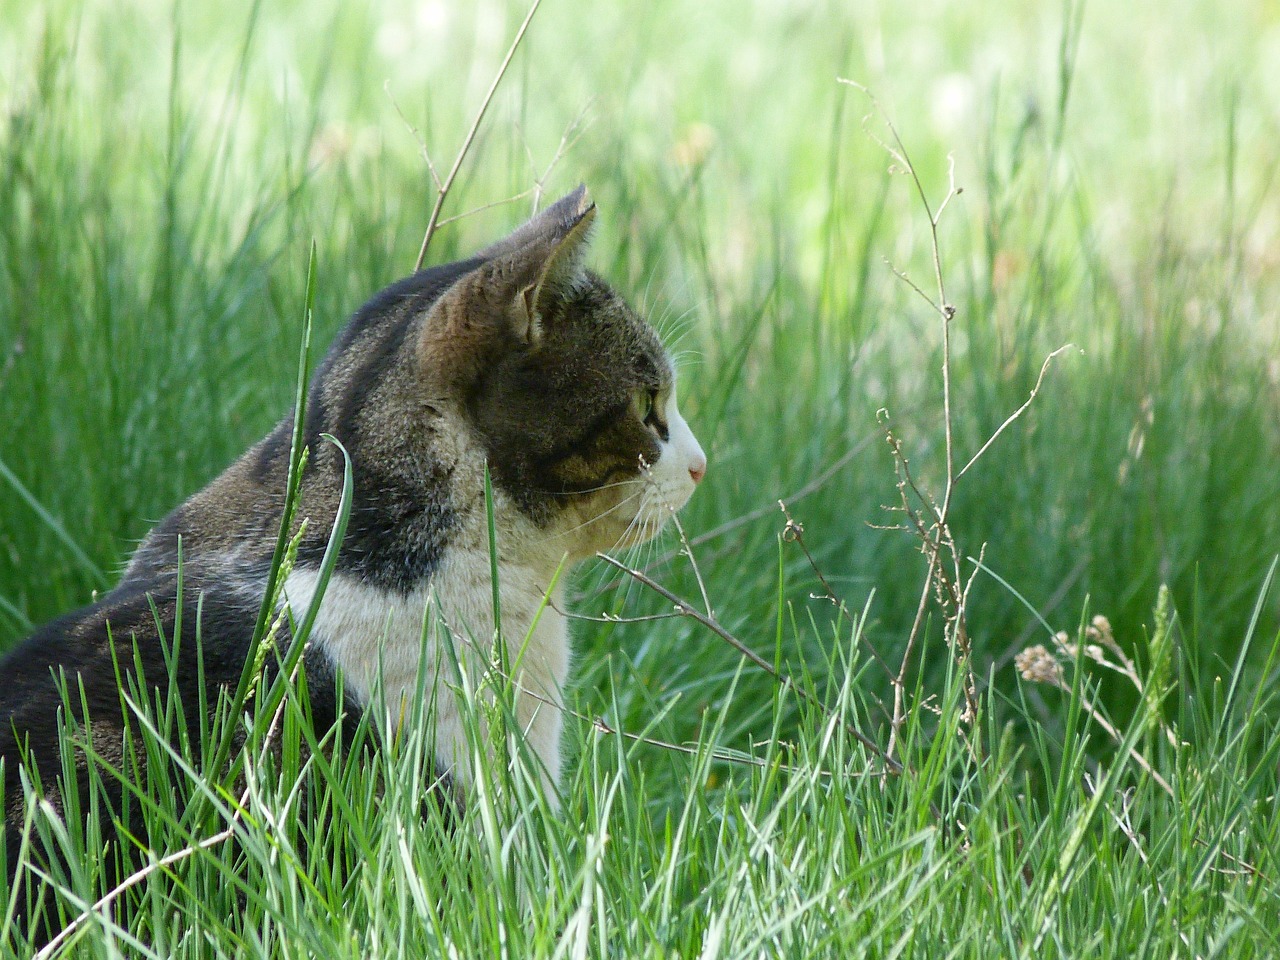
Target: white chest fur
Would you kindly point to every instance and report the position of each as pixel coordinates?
(385, 644)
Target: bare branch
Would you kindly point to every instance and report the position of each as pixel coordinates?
(414, 132)
(935, 536)
(1017, 413)
(913, 285)
(442, 190)
(697, 573)
(793, 532)
(952, 190)
(485, 206)
(612, 618)
(567, 140)
(714, 626)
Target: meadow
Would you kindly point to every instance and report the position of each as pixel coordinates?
(843, 274)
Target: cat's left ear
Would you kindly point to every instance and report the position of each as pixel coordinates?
(545, 258)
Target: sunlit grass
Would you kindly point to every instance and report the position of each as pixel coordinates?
(163, 172)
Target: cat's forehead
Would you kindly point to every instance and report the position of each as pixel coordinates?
(601, 327)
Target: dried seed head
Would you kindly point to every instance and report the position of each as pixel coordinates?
(1038, 665)
(1102, 628)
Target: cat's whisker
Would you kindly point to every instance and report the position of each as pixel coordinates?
(640, 521)
(584, 492)
(651, 532)
(658, 306)
(649, 527)
(674, 329)
(644, 300)
(686, 358)
(600, 516)
(672, 326)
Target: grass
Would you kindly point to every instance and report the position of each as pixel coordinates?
(157, 202)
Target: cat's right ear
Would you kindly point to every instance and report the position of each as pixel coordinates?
(510, 296)
(553, 222)
(542, 261)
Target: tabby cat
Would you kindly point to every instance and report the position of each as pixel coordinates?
(517, 358)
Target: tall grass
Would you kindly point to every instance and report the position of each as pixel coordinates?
(157, 199)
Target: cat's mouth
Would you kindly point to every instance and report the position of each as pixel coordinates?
(644, 505)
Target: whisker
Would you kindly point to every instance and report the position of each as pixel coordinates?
(648, 286)
(677, 327)
(626, 593)
(641, 519)
(686, 358)
(600, 516)
(603, 486)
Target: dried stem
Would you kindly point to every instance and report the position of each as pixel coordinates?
(104, 902)
(938, 545)
(485, 206)
(793, 532)
(442, 189)
(686, 610)
(687, 550)
(928, 520)
(1038, 665)
(613, 618)
(1017, 413)
(1105, 724)
(567, 140)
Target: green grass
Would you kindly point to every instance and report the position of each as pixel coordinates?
(163, 173)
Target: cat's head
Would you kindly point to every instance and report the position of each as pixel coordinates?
(569, 390)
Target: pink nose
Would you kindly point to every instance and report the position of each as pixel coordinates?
(698, 470)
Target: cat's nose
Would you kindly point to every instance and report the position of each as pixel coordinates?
(698, 469)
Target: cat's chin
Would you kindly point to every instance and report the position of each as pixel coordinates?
(641, 532)
(606, 532)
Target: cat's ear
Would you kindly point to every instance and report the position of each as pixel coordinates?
(508, 298)
(543, 260)
(555, 220)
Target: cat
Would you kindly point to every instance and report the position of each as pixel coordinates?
(519, 359)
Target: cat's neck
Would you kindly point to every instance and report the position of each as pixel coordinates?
(394, 648)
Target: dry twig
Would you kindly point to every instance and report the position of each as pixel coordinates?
(687, 610)
(442, 188)
(928, 520)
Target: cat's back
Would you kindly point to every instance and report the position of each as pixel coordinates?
(152, 626)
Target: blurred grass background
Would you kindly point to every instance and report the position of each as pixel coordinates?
(164, 167)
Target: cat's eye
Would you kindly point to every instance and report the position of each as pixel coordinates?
(642, 402)
(646, 406)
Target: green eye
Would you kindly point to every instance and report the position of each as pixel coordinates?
(644, 404)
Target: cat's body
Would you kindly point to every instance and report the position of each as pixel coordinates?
(517, 359)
